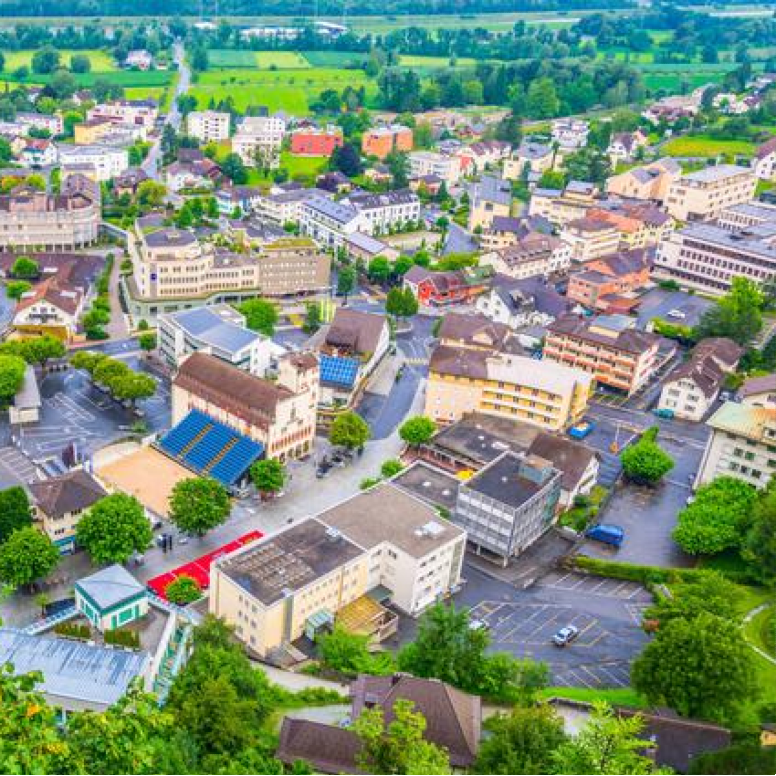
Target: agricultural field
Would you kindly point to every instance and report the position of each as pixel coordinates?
(102, 62)
(229, 58)
(410, 60)
(284, 89)
(703, 145)
(334, 58)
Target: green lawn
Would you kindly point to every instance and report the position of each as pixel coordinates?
(287, 60)
(617, 696)
(410, 60)
(334, 58)
(303, 165)
(124, 78)
(102, 62)
(703, 145)
(231, 58)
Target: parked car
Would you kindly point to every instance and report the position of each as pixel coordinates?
(565, 636)
(663, 412)
(676, 314)
(582, 429)
(606, 533)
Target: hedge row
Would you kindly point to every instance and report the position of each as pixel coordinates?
(646, 575)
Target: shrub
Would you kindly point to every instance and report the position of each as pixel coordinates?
(183, 590)
(73, 630)
(122, 638)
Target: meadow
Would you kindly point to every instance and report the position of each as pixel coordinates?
(102, 62)
(704, 145)
(229, 58)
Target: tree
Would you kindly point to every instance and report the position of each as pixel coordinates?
(701, 667)
(349, 430)
(260, 315)
(26, 556)
(312, 318)
(347, 160)
(717, 518)
(199, 58)
(25, 268)
(12, 370)
(522, 741)
(400, 746)
(401, 303)
(133, 386)
(706, 591)
(349, 653)
(379, 269)
(183, 590)
(391, 467)
(39, 350)
(268, 476)
(16, 288)
(645, 462)
(233, 168)
(542, 99)
(63, 84)
(417, 431)
(80, 63)
(147, 341)
(199, 504)
(45, 61)
(14, 511)
(346, 280)
(114, 529)
(737, 315)
(607, 744)
(759, 546)
(151, 193)
(399, 167)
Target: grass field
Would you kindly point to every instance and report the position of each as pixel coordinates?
(125, 78)
(703, 145)
(102, 62)
(228, 58)
(286, 60)
(231, 58)
(289, 90)
(409, 60)
(333, 58)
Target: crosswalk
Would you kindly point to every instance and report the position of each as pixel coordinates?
(416, 361)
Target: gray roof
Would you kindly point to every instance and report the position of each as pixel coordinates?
(170, 236)
(211, 328)
(75, 675)
(493, 189)
(340, 213)
(110, 586)
(715, 173)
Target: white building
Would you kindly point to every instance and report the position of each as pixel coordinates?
(127, 112)
(281, 206)
(208, 126)
(105, 161)
(444, 166)
(764, 162)
(259, 137)
(220, 331)
(570, 134)
(329, 222)
(51, 123)
(39, 153)
(533, 255)
(386, 211)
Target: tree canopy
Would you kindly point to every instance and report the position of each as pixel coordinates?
(268, 475)
(645, 462)
(418, 430)
(199, 504)
(260, 315)
(114, 529)
(27, 556)
(14, 511)
(737, 315)
(349, 430)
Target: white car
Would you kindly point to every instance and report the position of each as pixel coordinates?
(677, 314)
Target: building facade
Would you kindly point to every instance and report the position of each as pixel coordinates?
(704, 194)
(208, 126)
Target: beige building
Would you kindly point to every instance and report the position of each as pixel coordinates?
(208, 126)
(321, 570)
(535, 254)
(59, 502)
(259, 139)
(490, 197)
(758, 392)
(650, 181)
(742, 445)
(444, 166)
(590, 238)
(607, 347)
(48, 222)
(542, 393)
(704, 194)
(280, 414)
(49, 309)
(531, 157)
(560, 207)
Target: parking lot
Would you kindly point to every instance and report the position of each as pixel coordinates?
(658, 302)
(523, 622)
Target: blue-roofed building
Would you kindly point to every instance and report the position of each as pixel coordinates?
(220, 331)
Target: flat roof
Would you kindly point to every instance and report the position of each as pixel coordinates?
(430, 484)
(76, 675)
(289, 560)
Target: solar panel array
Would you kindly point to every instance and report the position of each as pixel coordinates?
(337, 370)
(210, 447)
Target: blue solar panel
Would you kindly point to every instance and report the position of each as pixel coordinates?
(339, 371)
(220, 452)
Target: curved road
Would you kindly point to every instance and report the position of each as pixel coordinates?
(174, 118)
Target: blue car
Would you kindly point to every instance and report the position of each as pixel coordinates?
(607, 534)
(582, 429)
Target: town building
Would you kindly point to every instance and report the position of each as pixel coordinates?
(330, 223)
(764, 162)
(278, 415)
(258, 140)
(521, 302)
(143, 112)
(59, 502)
(196, 174)
(111, 598)
(436, 288)
(34, 219)
(447, 167)
(590, 238)
(534, 254)
(39, 152)
(509, 504)
(704, 194)
(624, 146)
(739, 217)
(570, 134)
(315, 141)
(510, 230)
(546, 394)
(482, 155)
(101, 162)
(453, 722)
(218, 330)
(647, 182)
(758, 391)
(129, 180)
(380, 141)
(691, 389)
(364, 247)
(52, 123)
(529, 157)
(386, 211)
(243, 199)
(139, 59)
(488, 198)
(208, 126)
(607, 347)
(640, 224)
(707, 257)
(561, 206)
(321, 570)
(742, 445)
(610, 282)
(285, 206)
(474, 331)
(51, 307)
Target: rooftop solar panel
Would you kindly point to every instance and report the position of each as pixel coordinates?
(340, 371)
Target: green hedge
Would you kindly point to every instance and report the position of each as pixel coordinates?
(123, 638)
(73, 630)
(631, 572)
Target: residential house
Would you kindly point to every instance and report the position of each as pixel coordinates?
(520, 302)
(570, 134)
(139, 59)
(509, 230)
(488, 198)
(39, 152)
(530, 157)
(446, 167)
(49, 307)
(647, 182)
(128, 181)
(435, 288)
(589, 238)
(245, 199)
(480, 156)
(758, 391)
(535, 254)
(623, 146)
(764, 162)
(198, 175)
(606, 284)
(474, 331)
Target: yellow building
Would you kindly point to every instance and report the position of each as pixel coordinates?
(548, 395)
(590, 238)
(650, 181)
(704, 194)
(560, 207)
(490, 197)
(92, 131)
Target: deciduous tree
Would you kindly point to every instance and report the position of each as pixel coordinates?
(268, 475)
(349, 430)
(199, 504)
(27, 556)
(14, 511)
(114, 528)
(645, 462)
(183, 590)
(418, 430)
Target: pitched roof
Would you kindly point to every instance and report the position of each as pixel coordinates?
(722, 349)
(328, 748)
(755, 385)
(477, 330)
(65, 299)
(110, 586)
(356, 330)
(627, 339)
(66, 493)
(570, 458)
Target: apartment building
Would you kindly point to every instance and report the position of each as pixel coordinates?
(535, 254)
(279, 415)
(321, 571)
(742, 445)
(570, 134)
(386, 211)
(606, 283)
(607, 347)
(561, 206)
(764, 162)
(704, 194)
(648, 182)
(50, 222)
(285, 206)
(530, 157)
(739, 217)
(488, 198)
(640, 225)
(52, 123)
(545, 394)
(330, 223)
(316, 141)
(508, 505)
(99, 162)
(208, 126)
(436, 288)
(479, 156)
(59, 502)
(143, 112)
(707, 257)
(293, 265)
(258, 140)
(691, 389)
(446, 167)
(590, 238)
(380, 141)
